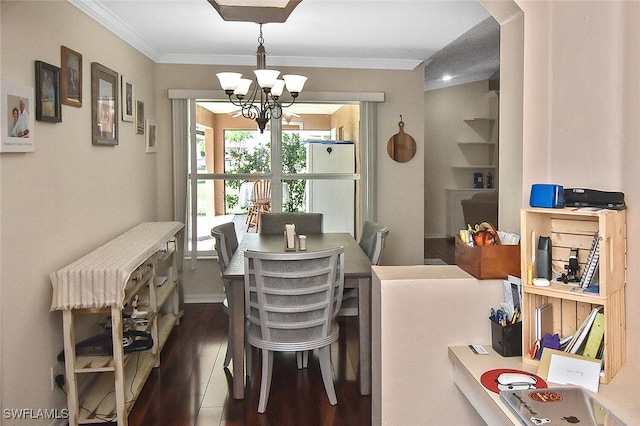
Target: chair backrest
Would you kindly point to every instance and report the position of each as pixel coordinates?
(293, 297)
(306, 223)
(372, 240)
(226, 243)
(262, 191)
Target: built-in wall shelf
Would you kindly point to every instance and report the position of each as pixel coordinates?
(477, 147)
(479, 143)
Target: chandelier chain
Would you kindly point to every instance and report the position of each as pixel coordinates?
(260, 38)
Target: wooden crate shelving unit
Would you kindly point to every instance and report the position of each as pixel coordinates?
(576, 228)
(112, 383)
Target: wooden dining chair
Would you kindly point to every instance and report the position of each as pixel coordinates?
(291, 302)
(226, 245)
(372, 243)
(260, 203)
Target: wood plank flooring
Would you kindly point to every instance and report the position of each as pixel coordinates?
(440, 248)
(191, 387)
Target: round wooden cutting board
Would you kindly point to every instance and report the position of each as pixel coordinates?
(401, 146)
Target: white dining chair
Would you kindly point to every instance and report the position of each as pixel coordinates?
(226, 245)
(291, 302)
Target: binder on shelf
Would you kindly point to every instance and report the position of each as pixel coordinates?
(581, 334)
(591, 267)
(595, 337)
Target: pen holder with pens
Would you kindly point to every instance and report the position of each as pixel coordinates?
(506, 340)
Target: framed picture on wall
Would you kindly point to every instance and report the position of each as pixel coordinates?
(104, 105)
(48, 93)
(150, 135)
(70, 77)
(139, 117)
(127, 100)
(17, 115)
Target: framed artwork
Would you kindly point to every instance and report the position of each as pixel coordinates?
(139, 117)
(104, 105)
(127, 99)
(70, 77)
(150, 135)
(48, 93)
(16, 125)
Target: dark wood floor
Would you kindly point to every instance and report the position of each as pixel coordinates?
(440, 248)
(191, 387)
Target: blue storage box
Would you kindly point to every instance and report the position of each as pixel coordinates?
(546, 195)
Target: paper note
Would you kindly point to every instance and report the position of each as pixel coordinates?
(566, 370)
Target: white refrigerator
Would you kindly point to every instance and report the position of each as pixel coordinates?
(335, 199)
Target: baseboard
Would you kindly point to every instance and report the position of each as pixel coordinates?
(206, 298)
(427, 236)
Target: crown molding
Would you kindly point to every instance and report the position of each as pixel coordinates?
(293, 61)
(104, 17)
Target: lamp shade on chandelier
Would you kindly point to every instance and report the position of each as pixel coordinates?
(262, 102)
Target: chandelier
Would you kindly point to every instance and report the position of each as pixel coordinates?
(268, 105)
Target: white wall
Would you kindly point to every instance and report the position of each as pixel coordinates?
(68, 196)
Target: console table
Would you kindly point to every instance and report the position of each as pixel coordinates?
(102, 284)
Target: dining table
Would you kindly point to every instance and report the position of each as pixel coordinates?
(357, 274)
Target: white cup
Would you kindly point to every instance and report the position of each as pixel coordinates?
(303, 242)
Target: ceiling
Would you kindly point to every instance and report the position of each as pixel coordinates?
(455, 37)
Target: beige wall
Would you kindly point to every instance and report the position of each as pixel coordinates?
(400, 184)
(67, 197)
(444, 126)
(581, 110)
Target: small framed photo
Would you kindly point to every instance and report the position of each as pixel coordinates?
(127, 99)
(48, 93)
(104, 105)
(17, 111)
(139, 117)
(150, 135)
(70, 77)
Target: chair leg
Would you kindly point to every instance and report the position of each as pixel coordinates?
(265, 386)
(302, 358)
(227, 356)
(248, 357)
(324, 354)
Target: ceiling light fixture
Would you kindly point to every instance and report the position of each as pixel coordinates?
(271, 88)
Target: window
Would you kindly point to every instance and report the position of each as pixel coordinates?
(226, 152)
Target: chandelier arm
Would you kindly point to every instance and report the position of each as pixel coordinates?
(287, 105)
(250, 111)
